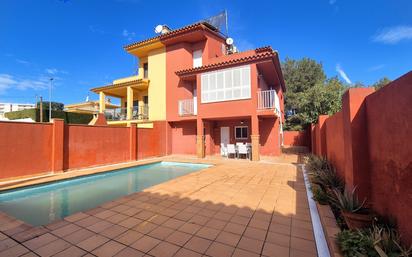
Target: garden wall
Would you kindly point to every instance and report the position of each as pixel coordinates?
(28, 149)
(297, 138)
(369, 142)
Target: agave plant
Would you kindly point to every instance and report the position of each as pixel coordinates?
(347, 201)
(327, 178)
(386, 242)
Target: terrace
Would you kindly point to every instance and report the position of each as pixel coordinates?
(230, 209)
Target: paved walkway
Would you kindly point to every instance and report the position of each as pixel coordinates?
(235, 208)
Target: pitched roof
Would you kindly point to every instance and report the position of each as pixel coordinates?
(172, 33)
(259, 54)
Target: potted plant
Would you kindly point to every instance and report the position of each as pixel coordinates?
(353, 211)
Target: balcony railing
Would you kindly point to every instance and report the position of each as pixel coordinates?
(137, 113)
(187, 107)
(268, 99)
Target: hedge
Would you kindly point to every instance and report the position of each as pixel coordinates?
(34, 114)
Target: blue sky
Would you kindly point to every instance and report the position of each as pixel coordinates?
(80, 42)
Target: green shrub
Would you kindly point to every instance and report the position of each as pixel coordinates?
(355, 243)
(34, 114)
(347, 201)
(319, 195)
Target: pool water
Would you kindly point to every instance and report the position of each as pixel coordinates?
(43, 204)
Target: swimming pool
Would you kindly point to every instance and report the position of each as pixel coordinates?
(43, 204)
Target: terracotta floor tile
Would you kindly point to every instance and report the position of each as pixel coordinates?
(39, 241)
(217, 249)
(78, 236)
(303, 233)
(16, 250)
(279, 239)
(130, 222)
(299, 253)
(281, 229)
(240, 220)
(187, 253)
(243, 253)
(92, 243)
(270, 249)
(129, 252)
(109, 249)
(145, 244)
(52, 248)
(189, 228)
(216, 224)
(255, 233)
(161, 232)
(129, 237)
(235, 228)
(76, 217)
(208, 233)
(251, 245)
(198, 244)
(303, 245)
(113, 231)
(173, 223)
(66, 230)
(72, 251)
(179, 238)
(30, 234)
(99, 226)
(228, 238)
(164, 249)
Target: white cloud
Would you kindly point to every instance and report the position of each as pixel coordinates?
(376, 67)
(54, 71)
(22, 61)
(343, 74)
(393, 35)
(9, 82)
(128, 34)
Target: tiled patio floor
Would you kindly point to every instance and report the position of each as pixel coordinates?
(235, 208)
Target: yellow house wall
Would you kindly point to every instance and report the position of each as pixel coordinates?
(157, 87)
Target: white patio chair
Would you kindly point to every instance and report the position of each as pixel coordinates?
(231, 149)
(223, 149)
(243, 150)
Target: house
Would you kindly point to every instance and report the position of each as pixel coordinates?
(11, 107)
(204, 94)
(89, 107)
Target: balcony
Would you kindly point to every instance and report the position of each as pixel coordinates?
(268, 99)
(137, 113)
(187, 107)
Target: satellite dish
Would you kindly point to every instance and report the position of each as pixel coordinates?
(229, 41)
(159, 29)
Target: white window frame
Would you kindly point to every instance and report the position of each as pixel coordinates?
(243, 88)
(197, 58)
(241, 127)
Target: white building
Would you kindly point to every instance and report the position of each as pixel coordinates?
(11, 107)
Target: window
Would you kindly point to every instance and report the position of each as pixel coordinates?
(225, 85)
(145, 70)
(197, 58)
(241, 132)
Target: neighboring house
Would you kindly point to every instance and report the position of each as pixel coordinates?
(11, 107)
(205, 96)
(90, 107)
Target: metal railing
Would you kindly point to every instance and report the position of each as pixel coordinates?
(187, 107)
(268, 99)
(137, 113)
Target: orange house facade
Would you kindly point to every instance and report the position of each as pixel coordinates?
(213, 97)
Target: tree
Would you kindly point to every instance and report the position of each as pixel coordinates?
(381, 83)
(308, 93)
(55, 106)
(299, 76)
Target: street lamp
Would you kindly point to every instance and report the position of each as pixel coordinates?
(50, 95)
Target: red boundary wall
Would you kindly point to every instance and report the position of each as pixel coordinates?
(28, 149)
(297, 138)
(370, 144)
